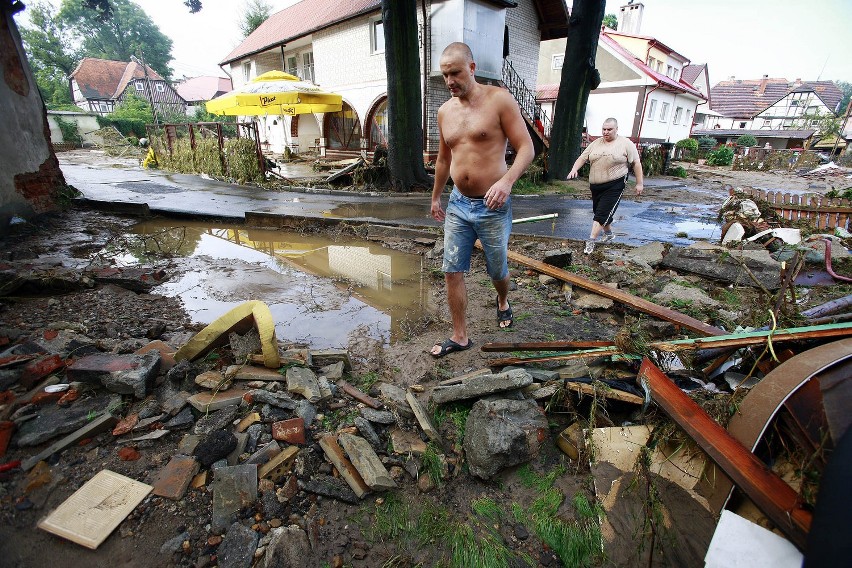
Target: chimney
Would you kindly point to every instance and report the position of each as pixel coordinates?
(762, 88)
(630, 18)
(731, 78)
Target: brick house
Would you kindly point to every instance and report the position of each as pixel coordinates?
(340, 46)
(99, 85)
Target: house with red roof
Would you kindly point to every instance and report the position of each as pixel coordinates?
(99, 85)
(198, 90)
(646, 85)
(340, 47)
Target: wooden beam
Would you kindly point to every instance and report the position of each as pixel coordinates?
(615, 394)
(634, 302)
(778, 501)
(544, 345)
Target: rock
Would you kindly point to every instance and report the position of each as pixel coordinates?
(182, 375)
(272, 507)
(672, 292)
(406, 441)
(123, 374)
(174, 544)
(303, 381)
(277, 399)
(254, 432)
(482, 386)
(166, 351)
(184, 419)
(52, 420)
(333, 371)
(212, 380)
(210, 401)
(366, 462)
(379, 416)
(252, 373)
(306, 411)
(328, 486)
(368, 432)
(546, 279)
(219, 420)
(234, 487)
(243, 346)
(265, 453)
(650, 254)
(325, 357)
(500, 434)
(585, 300)
(719, 263)
(237, 548)
(394, 397)
(172, 404)
(425, 483)
(215, 446)
(288, 548)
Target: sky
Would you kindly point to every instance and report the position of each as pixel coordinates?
(744, 38)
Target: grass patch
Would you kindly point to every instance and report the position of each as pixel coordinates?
(487, 509)
(432, 464)
(367, 380)
(457, 414)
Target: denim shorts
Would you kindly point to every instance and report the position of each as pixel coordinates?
(468, 219)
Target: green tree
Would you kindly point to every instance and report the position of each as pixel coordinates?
(124, 30)
(405, 130)
(611, 21)
(579, 76)
(52, 53)
(747, 141)
(254, 13)
(846, 89)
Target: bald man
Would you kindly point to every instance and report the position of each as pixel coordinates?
(475, 126)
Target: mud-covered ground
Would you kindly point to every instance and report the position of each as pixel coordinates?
(120, 321)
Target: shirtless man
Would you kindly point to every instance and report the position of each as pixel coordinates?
(474, 127)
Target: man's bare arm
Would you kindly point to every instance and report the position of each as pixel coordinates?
(442, 173)
(516, 132)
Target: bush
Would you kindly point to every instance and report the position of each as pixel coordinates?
(747, 141)
(70, 132)
(688, 149)
(721, 156)
(706, 142)
(652, 160)
(677, 171)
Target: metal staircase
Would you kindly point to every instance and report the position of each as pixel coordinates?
(526, 100)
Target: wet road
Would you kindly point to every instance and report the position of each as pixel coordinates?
(636, 222)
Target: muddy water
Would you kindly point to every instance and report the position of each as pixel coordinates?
(321, 292)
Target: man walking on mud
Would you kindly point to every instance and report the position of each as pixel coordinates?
(474, 127)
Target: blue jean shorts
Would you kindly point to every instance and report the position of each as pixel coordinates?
(468, 219)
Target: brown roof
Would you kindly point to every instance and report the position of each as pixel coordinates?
(106, 79)
(691, 72)
(756, 133)
(746, 98)
(308, 16)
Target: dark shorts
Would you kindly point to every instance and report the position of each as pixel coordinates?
(605, 199)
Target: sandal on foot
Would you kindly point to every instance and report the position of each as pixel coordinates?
(504, 315)
(449, 346)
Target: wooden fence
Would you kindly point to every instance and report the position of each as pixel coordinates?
(823, 212)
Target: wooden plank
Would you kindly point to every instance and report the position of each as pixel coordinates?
(358, 395)
(585, 388)
(544, 345)
(347, 471)
(92, 512)
(778, 501)
(634, 302)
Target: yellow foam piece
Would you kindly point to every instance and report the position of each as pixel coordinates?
(238, 320)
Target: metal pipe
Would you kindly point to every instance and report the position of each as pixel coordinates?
(828, 263)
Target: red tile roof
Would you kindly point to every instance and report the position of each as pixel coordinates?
(203, 88)
(742, 98)
(106, 79)
(547, 92)
(299, 20)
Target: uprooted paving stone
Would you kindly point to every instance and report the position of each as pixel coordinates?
(123, 374)
(482, 386)
(719, 263)
(288, 547)
(672, 292)
(50, 421)
(238, 547)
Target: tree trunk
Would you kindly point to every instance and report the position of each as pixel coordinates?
(405, 131)
(578, 73)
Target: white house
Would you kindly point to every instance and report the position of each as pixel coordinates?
(641, 86)
(340, 46)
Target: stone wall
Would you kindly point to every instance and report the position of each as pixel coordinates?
(29, 172)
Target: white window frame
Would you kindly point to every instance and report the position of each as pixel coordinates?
(294, 68)
(664, 112)
(308, 66)
(767, 123)
(670, 72)
(139, 86)
(247, 71)
(160, 87)
(377, 36)
(103, 107)
(556, 61)
(688, 120)
(787, 123)
(677, 115)
(652, 109)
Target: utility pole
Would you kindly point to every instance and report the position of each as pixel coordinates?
(147, 84)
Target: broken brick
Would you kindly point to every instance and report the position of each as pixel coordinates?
(46, 397)
(291, 431)
(7, 428)
(36, 370)
(129, 453)
(174, 478)
(126, 424)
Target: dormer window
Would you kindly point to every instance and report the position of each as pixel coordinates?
(160, 88)
(139, 86)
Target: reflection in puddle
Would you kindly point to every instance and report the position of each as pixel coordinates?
(698, 230)
(319, 291)
(380, 210)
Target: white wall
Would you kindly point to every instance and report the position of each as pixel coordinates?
(620, 106)
(666, 129)
(86, 124)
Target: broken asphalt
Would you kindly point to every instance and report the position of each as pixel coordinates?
(137, 190)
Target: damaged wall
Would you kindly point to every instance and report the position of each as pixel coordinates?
(30, 178)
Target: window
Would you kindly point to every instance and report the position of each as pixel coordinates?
(670, 71)
(678, 114)
(788, 123)
(742, 125)
(160, 88)
(652, 63)
(688, 120)
(659, 66)
(247, 71)
(652, 109)
(139, 86)
(664, 112)
(103, 107)
(291, 66)
(377, 39)
(308, 60)
(556, 61)
(766, 123)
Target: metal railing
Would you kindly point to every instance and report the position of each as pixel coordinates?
(526, 98)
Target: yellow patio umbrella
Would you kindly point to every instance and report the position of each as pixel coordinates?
(275, 93)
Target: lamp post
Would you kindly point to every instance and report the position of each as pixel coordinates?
(148, 88)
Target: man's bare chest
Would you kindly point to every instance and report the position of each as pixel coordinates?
(466, 127)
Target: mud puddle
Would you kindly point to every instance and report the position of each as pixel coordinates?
(321, 292)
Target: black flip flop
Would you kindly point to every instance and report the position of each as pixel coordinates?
(449, 346)
(504, 315)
